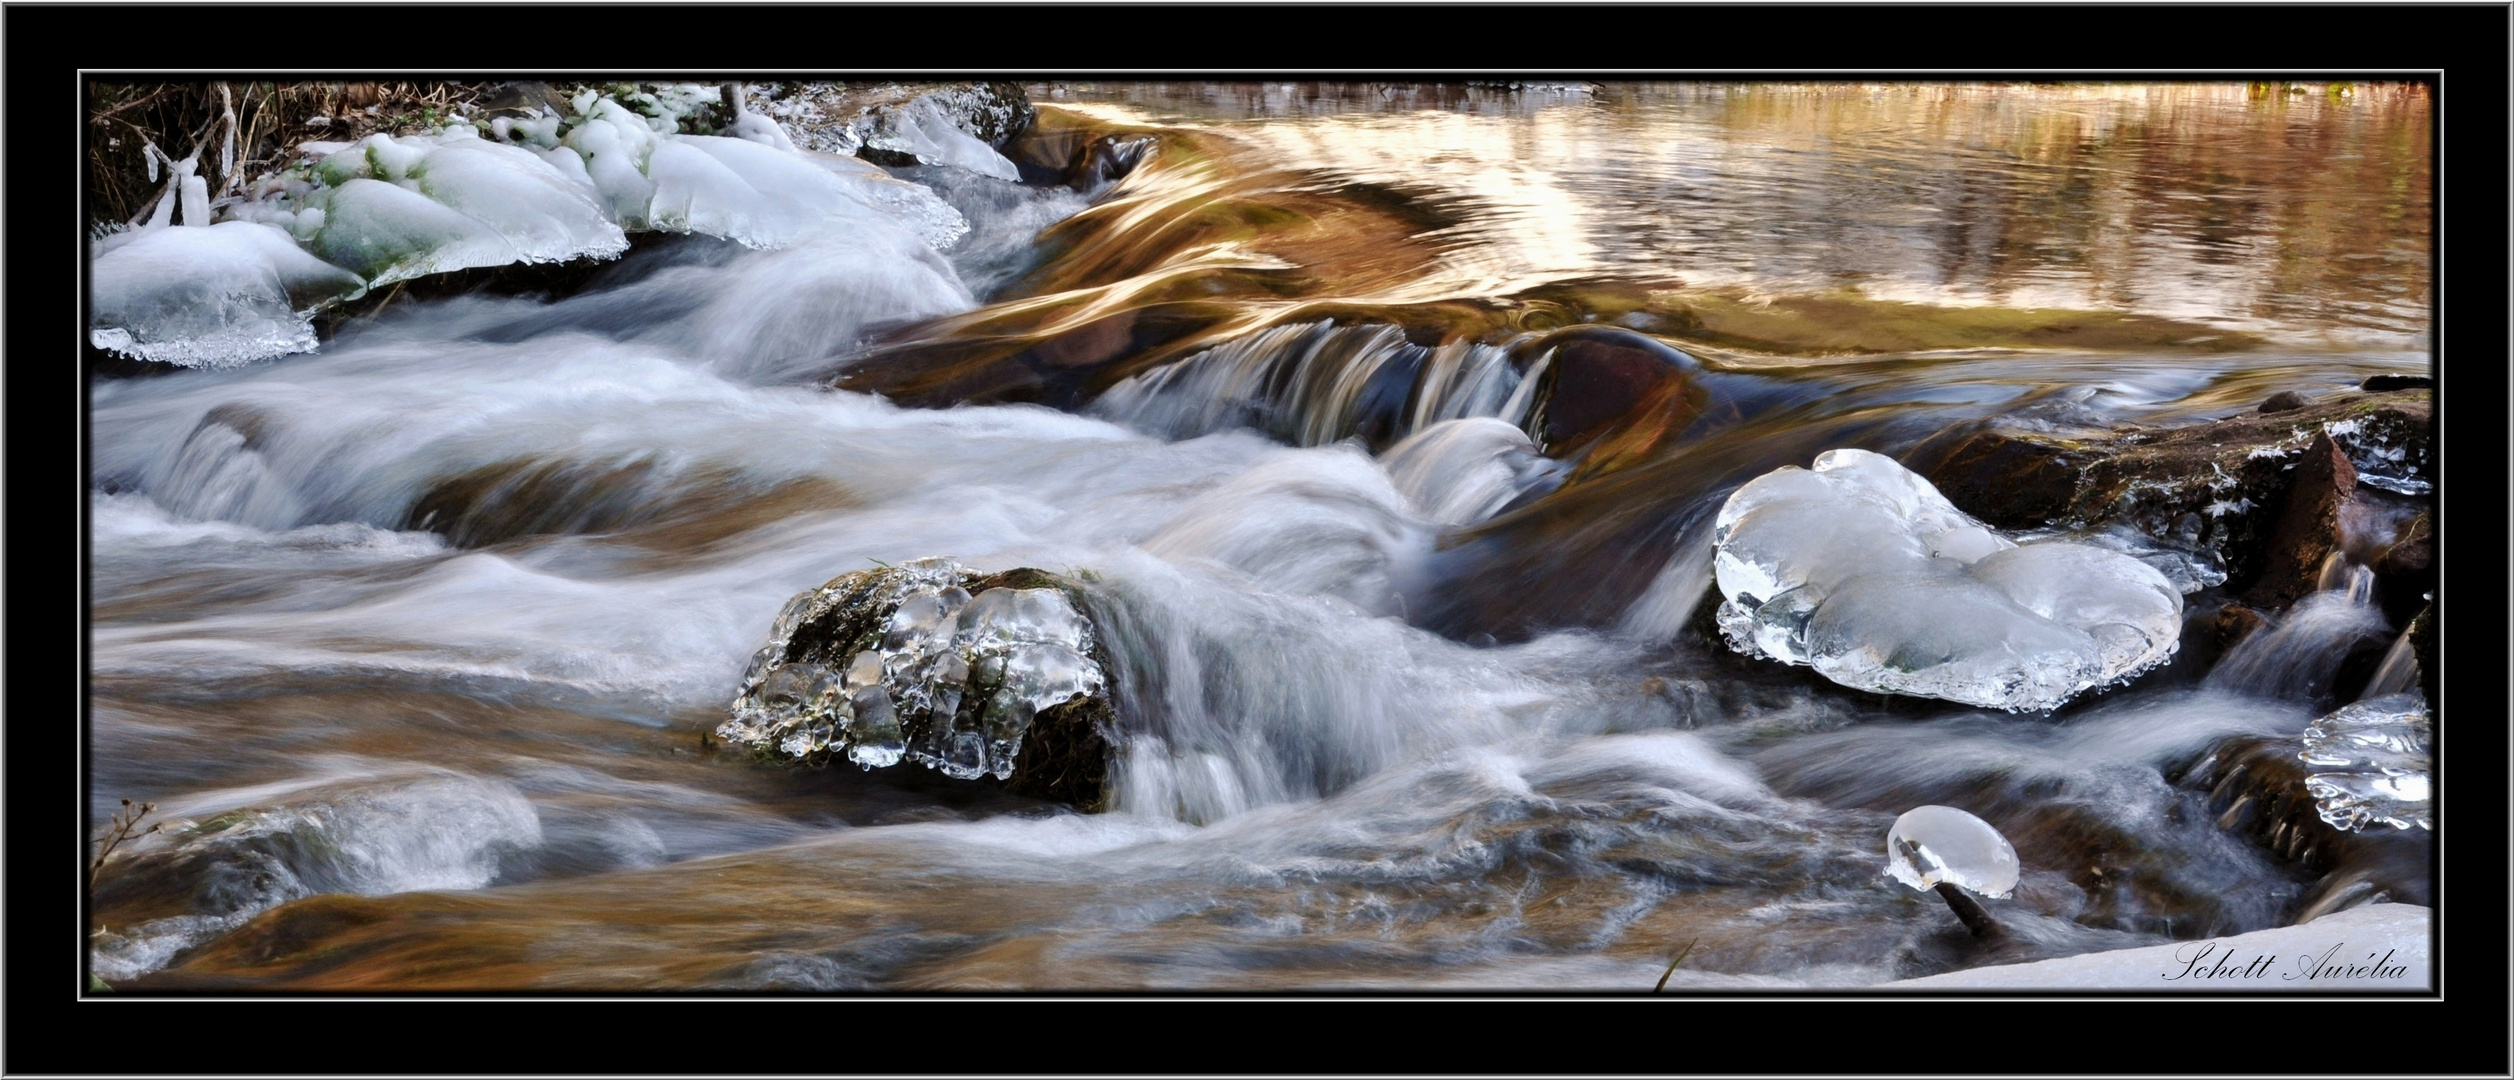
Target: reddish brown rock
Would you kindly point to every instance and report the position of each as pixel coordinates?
(2308, 526)
(2221, 486)
(2233, 623)
(2009, 481)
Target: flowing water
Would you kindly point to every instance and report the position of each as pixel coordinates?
(417, 637)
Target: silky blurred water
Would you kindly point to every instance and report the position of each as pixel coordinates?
(414, 639)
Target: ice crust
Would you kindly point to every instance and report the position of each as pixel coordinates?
(967, 673)
(390, 208)
(1931, 844)
(2372, 764)
(211, 297)
(1860, 569)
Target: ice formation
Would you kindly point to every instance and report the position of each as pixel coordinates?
(1861, 570)
(1933, 844)
(231, 292)
(2371, 764)
(905, 662)
(403, 208)
(921, 129)
(389, 208)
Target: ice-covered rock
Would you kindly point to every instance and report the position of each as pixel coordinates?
(1958, 856)
(968, 674)
(2371, 763)
(959, 125)
(923, 130)
(766, 198)
(395, 209)
(231, 293)
(1861, 570)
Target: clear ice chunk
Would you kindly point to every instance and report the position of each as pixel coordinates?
(865, 670)
(2372, 763)
(877, 742)
(1933, 844)
(1862, 570)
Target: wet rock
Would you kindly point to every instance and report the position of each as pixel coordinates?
(981, 677)
(2284, 401)
(1600, 382)
(2308, 529)
(1062, 367)
(1064, 148)
(2233, 623)
(2009, 481)
(2380, 383)
(2221, 489)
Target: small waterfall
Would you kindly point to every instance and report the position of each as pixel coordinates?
(1315, 383)
(2297, 657)
(2340, 574)
(1459, 472)
(2398, 671)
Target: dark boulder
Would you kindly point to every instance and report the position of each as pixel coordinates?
(2284, 401)
(2380, 383)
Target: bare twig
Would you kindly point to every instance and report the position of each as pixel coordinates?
(1671, 965)
(125, 826)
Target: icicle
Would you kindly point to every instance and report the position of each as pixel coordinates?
(150, 151)
(227, 148)
(196, 210)
(163, 214)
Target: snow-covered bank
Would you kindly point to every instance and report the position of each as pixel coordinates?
(2377, 947)
(552, 187)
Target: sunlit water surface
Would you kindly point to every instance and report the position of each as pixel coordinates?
(1388, 721)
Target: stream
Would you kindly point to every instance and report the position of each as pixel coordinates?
(419, 640)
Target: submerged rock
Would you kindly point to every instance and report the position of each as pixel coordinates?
(1864, 572)
(964, 673)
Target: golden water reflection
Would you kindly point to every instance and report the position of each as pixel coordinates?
(2302, 212)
